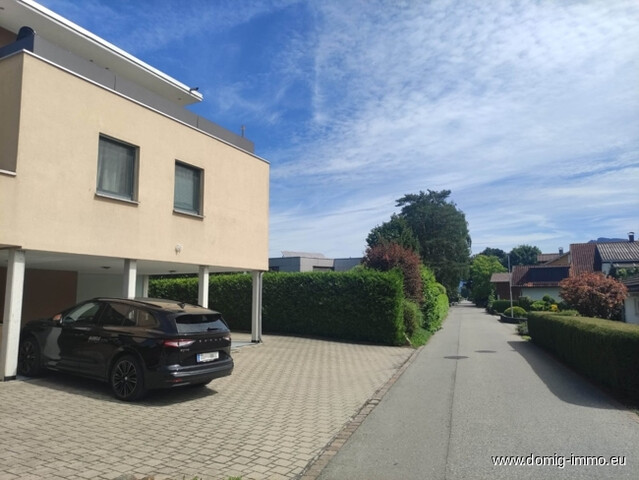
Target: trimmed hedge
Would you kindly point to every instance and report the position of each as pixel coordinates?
(604, 350)
(362, 305)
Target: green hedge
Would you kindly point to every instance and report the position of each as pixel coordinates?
(500, 306)
(362, 305)
(435, 304)
(604, 350)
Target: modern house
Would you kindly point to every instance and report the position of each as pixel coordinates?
(106, 178)
(310, 262)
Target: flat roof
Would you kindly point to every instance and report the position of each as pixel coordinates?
(15, 14)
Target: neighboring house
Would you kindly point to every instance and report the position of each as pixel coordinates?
(618, 255)
(106, 178)
(537, 281)
(501, 281)
(603, 257)
(631, 305)
(310, 262)
(533, 281)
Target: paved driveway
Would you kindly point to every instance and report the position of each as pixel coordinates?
(285, 401)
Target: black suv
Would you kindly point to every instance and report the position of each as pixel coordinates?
(135, 345)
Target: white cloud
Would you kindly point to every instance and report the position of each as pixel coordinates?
(509, 102)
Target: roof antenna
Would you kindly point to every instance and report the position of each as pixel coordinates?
(243, 130)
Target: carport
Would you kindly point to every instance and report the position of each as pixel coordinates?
(38, 284)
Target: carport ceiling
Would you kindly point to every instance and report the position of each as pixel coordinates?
(93, 264)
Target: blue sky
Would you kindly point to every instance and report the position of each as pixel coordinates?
(528, 111)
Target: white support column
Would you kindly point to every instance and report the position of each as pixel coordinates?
(12, 318)
(203, 286)
(256, 308)
(128, 282)
(145, 286)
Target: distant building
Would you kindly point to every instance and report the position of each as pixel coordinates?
(310, 262)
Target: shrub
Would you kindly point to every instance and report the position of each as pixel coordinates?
(525, 303)
(387, 256)
(435, 302)
(499, 306)
(522, 328)
(594, 295)
(537, 306)
(606, 351)
(515, 312)
(412, 317)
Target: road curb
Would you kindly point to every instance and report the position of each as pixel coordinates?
(319, 462)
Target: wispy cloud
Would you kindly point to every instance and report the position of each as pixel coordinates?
(519, 98)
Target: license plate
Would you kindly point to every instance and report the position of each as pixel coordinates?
(208, 357)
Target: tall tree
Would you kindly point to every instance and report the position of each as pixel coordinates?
(482, 268)
(496, 252)
(397, 231)
(442, 232)
(524, 255)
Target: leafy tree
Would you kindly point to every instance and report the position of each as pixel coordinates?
(481, 269)
(594, 295)
(387, 256)
(524, 255)
(396, 230)
(442, 232)
(496, 252)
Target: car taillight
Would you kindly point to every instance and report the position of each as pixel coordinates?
(179, 343)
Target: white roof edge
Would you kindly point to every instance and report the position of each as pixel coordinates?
(69, 25)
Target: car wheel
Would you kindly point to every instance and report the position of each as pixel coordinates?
(29, 358)
(127, 379)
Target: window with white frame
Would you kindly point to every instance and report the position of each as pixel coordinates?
(117, 169)
(188, 189)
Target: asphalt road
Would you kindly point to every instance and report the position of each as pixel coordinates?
(477, 390)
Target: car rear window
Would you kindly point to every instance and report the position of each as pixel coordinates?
(118, 314)
(200, 323)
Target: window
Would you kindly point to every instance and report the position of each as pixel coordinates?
(82, 315)
(118, 314)
(188, 189)
(117, 169)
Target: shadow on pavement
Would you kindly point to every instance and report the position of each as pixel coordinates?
(95, 389)
(563, 382)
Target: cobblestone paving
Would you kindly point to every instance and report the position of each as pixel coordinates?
(286, 400)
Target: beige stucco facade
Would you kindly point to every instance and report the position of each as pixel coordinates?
(63, 239)
(58, 119)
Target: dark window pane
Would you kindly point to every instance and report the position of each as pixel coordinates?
(85, 314)
(188, 181)
(199, 323)
(116, 315)
(116, 169)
